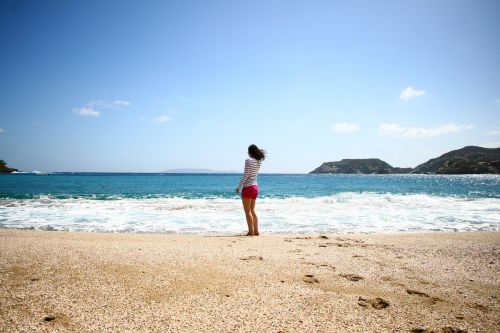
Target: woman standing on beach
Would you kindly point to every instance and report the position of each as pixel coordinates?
(250, 189)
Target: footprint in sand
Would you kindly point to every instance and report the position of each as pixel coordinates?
(320, 265)
(309, 278)
(252, 258)
(432, 300)
(327, 266)
(446, 329)
(479, 307)
(415, 292)
(377, 303)
(351, 277)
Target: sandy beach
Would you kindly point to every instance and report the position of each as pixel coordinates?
(98, 282)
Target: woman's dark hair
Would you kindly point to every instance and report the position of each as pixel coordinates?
(255, 152)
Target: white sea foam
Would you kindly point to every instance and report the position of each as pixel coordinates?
(341, 213)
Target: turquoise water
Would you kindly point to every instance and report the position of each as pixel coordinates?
(207, 203)
(190, 186)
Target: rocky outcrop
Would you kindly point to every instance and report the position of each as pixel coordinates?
(4, 168)
(359, 166)
(468, 160)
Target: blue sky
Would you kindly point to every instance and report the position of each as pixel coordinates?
(147, 86)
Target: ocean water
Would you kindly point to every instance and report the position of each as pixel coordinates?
(208, 204)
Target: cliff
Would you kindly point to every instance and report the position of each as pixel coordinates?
(468, 160)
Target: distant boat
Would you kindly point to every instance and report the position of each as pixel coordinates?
(20, 173)
(40, 173)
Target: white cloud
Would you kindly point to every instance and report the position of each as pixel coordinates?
(345, 127)
(119, 104)
(96, 104)
(163, 119)
(495, 132)
(490, 145)
(497, 100)
(87, 111)
(411, 92)
(2, 130)
(389, 129)
(90, 109)
(420, 132)
(109, 105)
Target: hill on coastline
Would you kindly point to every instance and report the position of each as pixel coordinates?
(468, 160)
(4, 168)
(355, 166)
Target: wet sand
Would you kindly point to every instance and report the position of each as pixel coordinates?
(95, 282)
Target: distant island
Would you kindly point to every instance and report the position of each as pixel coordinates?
(4, 168)
(468, 160)
(364, 166)
(194, 170)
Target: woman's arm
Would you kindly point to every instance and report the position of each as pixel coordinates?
(246, 174)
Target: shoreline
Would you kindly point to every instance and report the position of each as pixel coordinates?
(143, 282)
(49, 228)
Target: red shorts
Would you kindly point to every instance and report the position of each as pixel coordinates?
(250, 192)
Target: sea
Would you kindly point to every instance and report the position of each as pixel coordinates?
(287, 203)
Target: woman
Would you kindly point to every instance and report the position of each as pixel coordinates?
(250, 189)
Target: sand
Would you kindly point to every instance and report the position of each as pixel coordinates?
(95, 282)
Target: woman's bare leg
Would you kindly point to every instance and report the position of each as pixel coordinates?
(255, 219)
(248, 214)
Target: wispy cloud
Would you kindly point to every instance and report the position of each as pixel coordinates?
(490, 144)
(120, 104)
(92, 108)
(411, 92)
(345, 127)
(96, 104)
(87, 111)
(495, 131)
(421, 132)
(163, 119)
(389, 129)
(2, 130)
(184, 99)
(497, 100)
(109, 105)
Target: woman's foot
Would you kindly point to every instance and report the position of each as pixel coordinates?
(249, 234)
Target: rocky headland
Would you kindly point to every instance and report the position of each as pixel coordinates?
(468, 160)
(363, 166)
(4, 168)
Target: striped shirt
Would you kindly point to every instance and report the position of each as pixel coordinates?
(249, 178)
